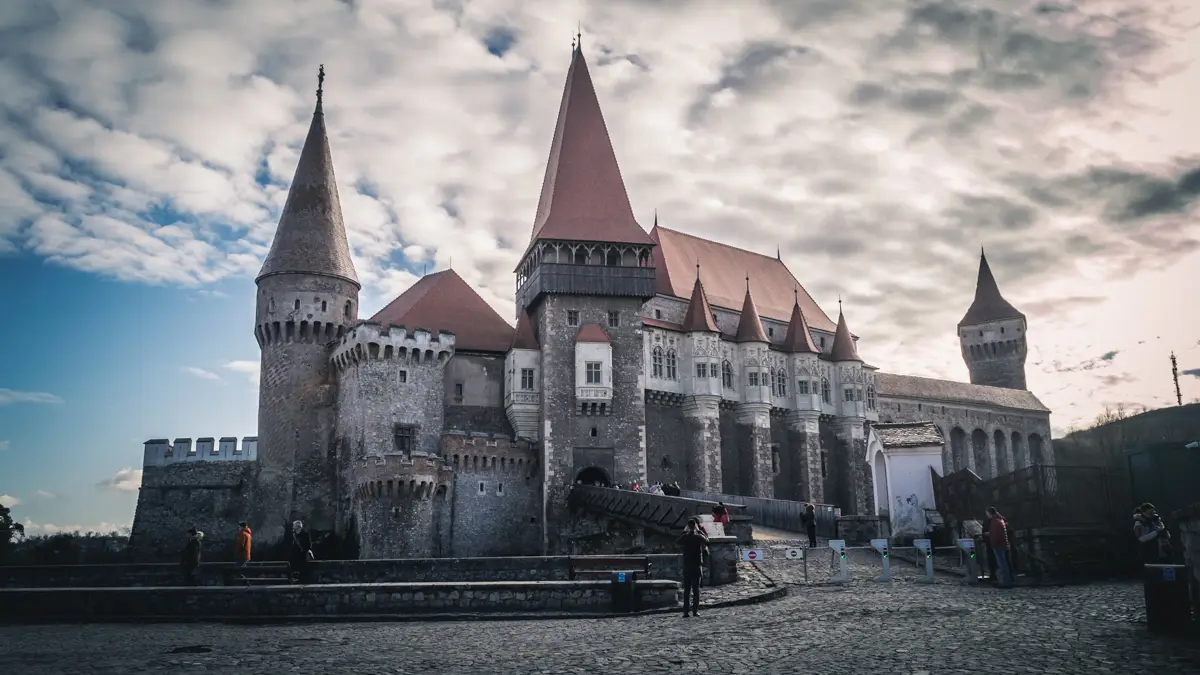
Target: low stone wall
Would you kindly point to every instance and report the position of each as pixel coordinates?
(860, 530)
(1188, 522)
(1069, 553)
(334, 600)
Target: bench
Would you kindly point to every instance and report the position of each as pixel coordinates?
(604, 565)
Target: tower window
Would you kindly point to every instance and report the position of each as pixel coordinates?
(296, 304)
(658, 314)
(402, 377)
(349, 309)
(323, 305)
(527, 379)
(825, 393)
(614, 319)
(482, 488)
(592, 371)
(701, 370)
(726, 375)
(404, 438)
(672, 363)
(848, 395)
(802, 387)
(499, 489)
(823, 472)
(770, 331)
(656, 362)
(822, 342)
(595, 432)
(572, 317)
(752, 378)
(458, 393)
(1002, 329)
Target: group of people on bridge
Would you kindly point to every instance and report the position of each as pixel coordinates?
(300, 553)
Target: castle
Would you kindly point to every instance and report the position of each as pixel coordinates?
(436, 428)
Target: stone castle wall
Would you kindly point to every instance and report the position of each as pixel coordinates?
(212, 496)
(496, 497)
(480, 405)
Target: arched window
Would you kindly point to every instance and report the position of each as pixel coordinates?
(825, 393)
(780, 382)
(656, 362)
(870, 397)
(349, 308)
(672, 363)
(727, 375)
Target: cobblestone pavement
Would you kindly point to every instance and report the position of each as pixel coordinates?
(864, 627)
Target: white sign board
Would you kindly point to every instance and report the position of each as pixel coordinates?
(752, 554)
(793, 553)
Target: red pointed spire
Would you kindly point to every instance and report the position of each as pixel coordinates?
(844, 348)
(699, 315)
(750, 327)
(989, 305)
(799, 337)
(523, 337)
(583, 194)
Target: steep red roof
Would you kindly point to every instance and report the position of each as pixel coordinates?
(524, 338)
(443, 301)
(591, 332)
(699, 315)
(844, 348)
(583, 195)
(989, 305)
(799, 338)
(725, 269)
(750, 328)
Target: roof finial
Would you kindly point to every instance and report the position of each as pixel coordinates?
(656, 216)
(579, 35)
(747, 282)
(697, 269)
(839, 303)
(320, 85)
(778, 256)
(796, 294)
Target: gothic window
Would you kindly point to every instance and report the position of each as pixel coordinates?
(871, 398)
(572, 317)
(727, 375)
(614, 319)
(672, 362)
(527, 379)
(858, 394)
(296, 305)
(349, 308)
(822, 343)
(402, 377)
(780, 383)
(802, 387)
(592, 369)
(825, 393)
(770, 331)
(656, 362)
(848, 394)
(701, 370)
(752, 377)
(404, 438)
(322, 305)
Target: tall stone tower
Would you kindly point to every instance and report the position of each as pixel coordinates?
(583, 280)
(992, 335)
(307, 297)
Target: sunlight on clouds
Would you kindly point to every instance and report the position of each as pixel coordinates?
(125, 480)
(11, 396)
(202, 373)
(251, 369)
(9, 501)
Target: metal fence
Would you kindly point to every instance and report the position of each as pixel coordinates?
(781, 514)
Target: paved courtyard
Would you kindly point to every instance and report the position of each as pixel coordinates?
(862, 628)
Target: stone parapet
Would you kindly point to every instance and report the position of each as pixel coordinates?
(475, 452)
(371, 341)
(415, 476)
(161, 451)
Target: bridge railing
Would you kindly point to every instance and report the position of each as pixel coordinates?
(782, 514)
(661, 512)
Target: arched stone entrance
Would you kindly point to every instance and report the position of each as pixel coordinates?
(958, 450)
(1003, 465)
(883, 502)
(979, 444)
(1020, 455)
(593, 475)
(1037, 450)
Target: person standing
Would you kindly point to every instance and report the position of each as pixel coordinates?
(810, 524)
(241, 549)
(1154, 541)
(693, 544)
(191, 555)
(997, 538)
(301, 551)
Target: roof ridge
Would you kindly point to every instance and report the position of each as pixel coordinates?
(721, 243)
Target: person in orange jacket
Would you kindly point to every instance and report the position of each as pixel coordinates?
(241, 545)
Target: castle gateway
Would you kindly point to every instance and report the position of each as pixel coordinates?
(437, 428)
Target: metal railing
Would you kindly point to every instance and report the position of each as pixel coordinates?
(782, 514)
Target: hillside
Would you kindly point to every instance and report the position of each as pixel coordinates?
(1116, 432)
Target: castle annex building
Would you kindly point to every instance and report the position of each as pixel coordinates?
(437, 428)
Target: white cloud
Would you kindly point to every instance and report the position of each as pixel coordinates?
(202, 373)
(251, 369)
(4, 445)
(9, 501)
(33, 529)
(11, 396)
(125, 480)
(42, 494)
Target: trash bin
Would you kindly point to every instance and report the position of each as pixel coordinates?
(1168, 608)
(624, 592)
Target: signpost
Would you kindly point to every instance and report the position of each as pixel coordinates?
(881, 545)
(839, 550)
(925, 548)
(793, 553)
(967, 546)
(753, 554)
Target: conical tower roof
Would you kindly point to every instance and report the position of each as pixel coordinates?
(844, 348)
(750, 328)
(311, 238)
(583, 194)
(523, 337)
(799, 337)
(989, 305)
(699, 315)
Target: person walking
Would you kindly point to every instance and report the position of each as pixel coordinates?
(810, 524)
(693, 544)
(301, 551)
(997, 538)
(241, 550)
(191, 555)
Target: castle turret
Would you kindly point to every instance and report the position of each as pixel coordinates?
(701, 406)
(850, 427)
(400, 503)
(588, 262)
(307, 297)
(804, 421)
(992, 335)
(523, 380)
(754, 410)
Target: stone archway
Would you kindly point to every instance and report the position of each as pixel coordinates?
(882, 500)
(593, 475)
(1019, 452)
(979, 451)
(958, 450)
(1003, 465)
(1037, 450)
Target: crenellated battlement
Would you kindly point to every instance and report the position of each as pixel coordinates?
(400, 476)
(161, 451)
(479, 452)
(372, 341)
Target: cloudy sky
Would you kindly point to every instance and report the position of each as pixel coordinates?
(146, 146)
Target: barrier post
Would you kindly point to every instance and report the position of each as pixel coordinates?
(967, 547)
(881, 545)
(838, 546)
(925, 548)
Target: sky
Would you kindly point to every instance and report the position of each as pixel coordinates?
(146, 147)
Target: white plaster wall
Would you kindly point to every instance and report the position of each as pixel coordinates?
(907, 478)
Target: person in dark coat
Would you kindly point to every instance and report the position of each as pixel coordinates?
(191, 556)
(810, 524)
(693, 544)
(301, 552)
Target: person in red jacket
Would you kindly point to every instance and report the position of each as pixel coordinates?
(998, 541)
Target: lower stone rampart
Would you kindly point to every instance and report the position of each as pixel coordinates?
(210, 496)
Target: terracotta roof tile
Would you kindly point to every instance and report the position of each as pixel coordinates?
(929, 389)
(523, 337)
(442, 301)
(699, 315)
(591, 332)
(657, 323)
(725, 269)
(909, 434)
(799, 337)
(311, 238)
(583, 195)
(988, 305)
(844, 348)
(750, 328)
